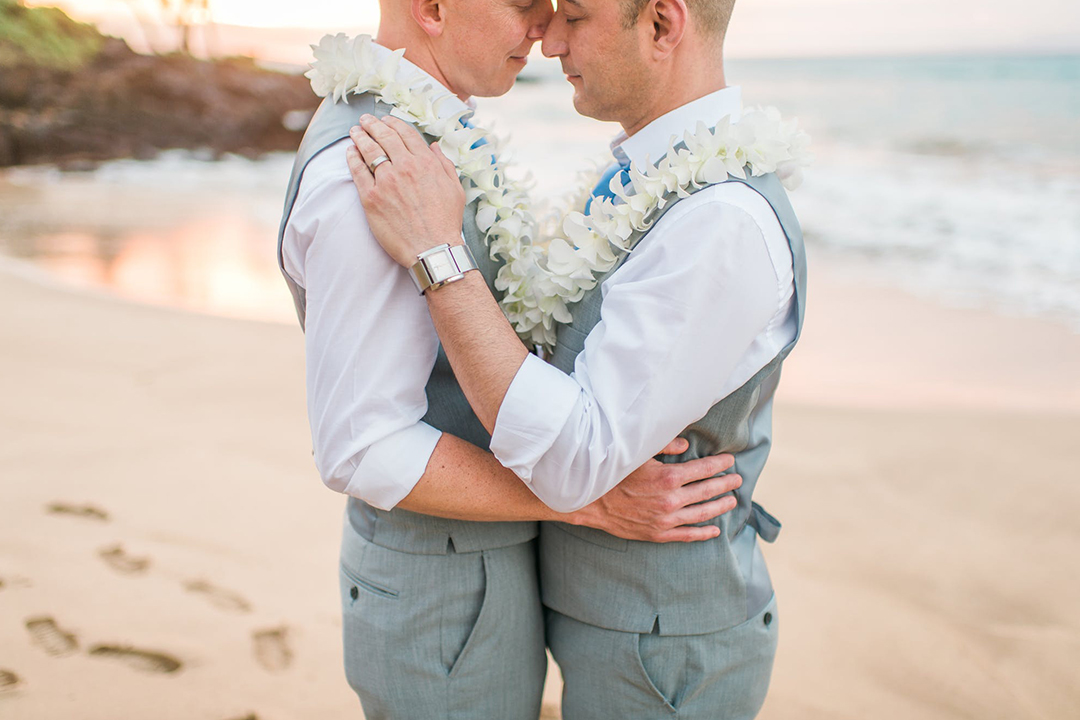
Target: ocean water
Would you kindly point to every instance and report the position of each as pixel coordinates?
(957, 178)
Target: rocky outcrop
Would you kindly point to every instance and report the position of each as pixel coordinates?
(118, 103)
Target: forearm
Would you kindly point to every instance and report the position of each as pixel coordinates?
(463, 482)
(483, 349)
(658, 503)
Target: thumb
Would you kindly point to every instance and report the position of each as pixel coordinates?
(676, 447)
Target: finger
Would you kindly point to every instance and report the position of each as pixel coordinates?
(361, 175)
(410, 136)
(693, 470)
(388, 139)
(688, 534)
(446, 163)
(694, 493)
(676, 447)
(369, 149)
(705, 511)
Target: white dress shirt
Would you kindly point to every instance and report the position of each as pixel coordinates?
(704, 301)
(369, 340)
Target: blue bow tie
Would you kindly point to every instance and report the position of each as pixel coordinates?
(603, 188)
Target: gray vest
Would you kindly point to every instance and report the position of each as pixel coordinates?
(680, 589)
(448, 410)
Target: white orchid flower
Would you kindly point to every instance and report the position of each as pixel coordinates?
(542, 276)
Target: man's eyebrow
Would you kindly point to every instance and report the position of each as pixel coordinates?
(575, 3)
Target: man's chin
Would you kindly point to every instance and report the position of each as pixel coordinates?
(496, 87)
(584, 107)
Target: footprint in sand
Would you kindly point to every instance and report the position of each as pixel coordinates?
(143, 660)
(14, 581)
(272, 649)
(9, 682)
(50, 637)
(10, 583)
(219, 597)
(115, 557)
(85, 511)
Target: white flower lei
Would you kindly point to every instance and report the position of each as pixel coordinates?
(540, 279)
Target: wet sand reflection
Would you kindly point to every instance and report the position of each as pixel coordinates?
(200, 247)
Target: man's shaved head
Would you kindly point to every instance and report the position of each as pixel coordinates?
(472, 47)
(710, 16)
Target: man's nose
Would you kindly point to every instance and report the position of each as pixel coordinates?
(554, 44)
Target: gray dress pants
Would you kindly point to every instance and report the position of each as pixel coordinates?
(457, 636)
(612, 675)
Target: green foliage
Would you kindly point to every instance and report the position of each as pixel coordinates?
(44, 36)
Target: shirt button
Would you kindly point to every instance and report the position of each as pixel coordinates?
(767, 618)
(355, 593)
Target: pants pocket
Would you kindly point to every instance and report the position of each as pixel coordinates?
(661, 665)
(695, 674)
(364, 614)
(368, 568)
(370, 586)
(464, 611)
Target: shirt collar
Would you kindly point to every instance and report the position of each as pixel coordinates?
(417, 77)
(652, 141)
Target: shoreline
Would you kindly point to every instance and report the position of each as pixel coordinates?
(963, 365)
(880, 346)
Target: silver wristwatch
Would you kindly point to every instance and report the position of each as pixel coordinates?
(440, 265)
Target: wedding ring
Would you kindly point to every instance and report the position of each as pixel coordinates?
(377, 162)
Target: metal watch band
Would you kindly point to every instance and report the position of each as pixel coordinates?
(440, 265)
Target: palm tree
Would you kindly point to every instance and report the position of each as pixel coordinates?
(184, 15)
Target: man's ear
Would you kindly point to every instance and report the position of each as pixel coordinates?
(668, 19)
(428, 14)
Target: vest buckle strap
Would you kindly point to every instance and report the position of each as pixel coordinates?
(766, 526)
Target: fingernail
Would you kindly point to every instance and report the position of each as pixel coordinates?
(366, 118)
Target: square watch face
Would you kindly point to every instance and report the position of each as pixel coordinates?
(440, 266)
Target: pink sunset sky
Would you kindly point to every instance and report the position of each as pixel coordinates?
(761, 28)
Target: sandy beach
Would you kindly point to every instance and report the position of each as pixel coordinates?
(168, 551)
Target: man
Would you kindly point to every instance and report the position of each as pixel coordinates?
(441, 611)
(688, 333)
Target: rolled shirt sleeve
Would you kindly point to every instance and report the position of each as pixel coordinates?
(369, 341)
(678, 323)
(537, 405)
(390, 467)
